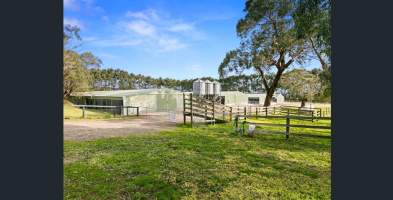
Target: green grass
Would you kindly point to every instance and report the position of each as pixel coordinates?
(199, 163)
(71, 112)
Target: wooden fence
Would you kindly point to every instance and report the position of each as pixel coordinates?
(287, 124)
(209, 110)
(194, 106)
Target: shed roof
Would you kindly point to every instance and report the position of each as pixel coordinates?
(121, 93)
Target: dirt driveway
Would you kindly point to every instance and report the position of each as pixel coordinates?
(92, 129)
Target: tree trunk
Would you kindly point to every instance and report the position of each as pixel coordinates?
(269, 96)
(303, 103)
(270, 91)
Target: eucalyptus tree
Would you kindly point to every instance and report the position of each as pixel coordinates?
(269, 43)
(301, 84)
(312, 19)
(76, 66)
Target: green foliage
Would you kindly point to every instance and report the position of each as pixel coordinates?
(301, 84)
(75, 74)
(75, 70)
(312, 20)
(269, 42)
(200, 163)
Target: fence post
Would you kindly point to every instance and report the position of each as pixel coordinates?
(114, 111)
(244, 129)
(245, 112)
(274, 110)
(205, 112)
(230, 114)
(137, 111)
(184, 108)
(126, 110)
(287, 127)
(213, 111)
(236, 122)
(83, 112)
(191, 109)
(266, 111)
(312, 116)
(256, 112)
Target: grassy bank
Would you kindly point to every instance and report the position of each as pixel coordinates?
(199, 163)
(71, 112)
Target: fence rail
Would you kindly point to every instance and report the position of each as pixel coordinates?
(119, 110)
(287, 118)
(194, 106)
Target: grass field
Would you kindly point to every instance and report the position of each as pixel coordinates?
(71, 112)
(200, 163)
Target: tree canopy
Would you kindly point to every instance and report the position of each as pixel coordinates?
(300, 84)
(269, 42)
(76, 65)
(275, 34)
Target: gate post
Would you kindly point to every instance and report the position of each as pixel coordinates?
(256, 112)
(184, 109)
(191, 109)
(213, 111)
(230, 113)
(287, 128)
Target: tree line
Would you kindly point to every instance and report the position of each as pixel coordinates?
(117, 79)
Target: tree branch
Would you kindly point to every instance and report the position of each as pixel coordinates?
(264, 81)
(323, 63)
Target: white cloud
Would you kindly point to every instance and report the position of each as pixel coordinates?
(181, 27)
(170, 44)
(87, 6)
(148, 14)
(74, 22)
(113, 42)
(71, 5)
(149, 29)
(142, 28)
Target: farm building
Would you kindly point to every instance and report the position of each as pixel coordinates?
(206, 88)
(149, 100)
(164, 100)
(239, 98)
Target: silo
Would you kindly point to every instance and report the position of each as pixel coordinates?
(198, 87)
(216, 88)
(208, 87)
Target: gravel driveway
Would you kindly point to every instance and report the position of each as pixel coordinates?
(92, 129)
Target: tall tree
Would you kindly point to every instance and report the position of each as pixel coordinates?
(312, 19)
(269, 43)
(301, 84)
(76, 66)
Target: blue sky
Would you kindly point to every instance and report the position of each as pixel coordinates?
(172, 38)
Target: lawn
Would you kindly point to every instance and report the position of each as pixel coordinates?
(200, 163)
